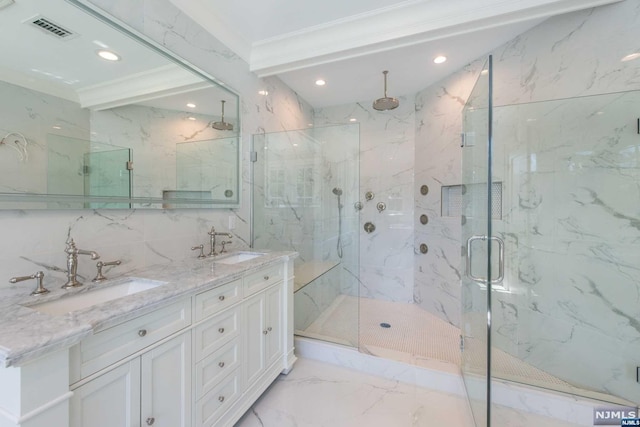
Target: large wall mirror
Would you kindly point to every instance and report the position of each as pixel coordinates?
(93, 117)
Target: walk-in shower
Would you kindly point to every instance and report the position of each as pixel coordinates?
(567, 172)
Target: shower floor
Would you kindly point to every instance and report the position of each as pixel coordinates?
(420, 338)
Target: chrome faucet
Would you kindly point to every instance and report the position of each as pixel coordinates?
(213, 233)
(72, 263)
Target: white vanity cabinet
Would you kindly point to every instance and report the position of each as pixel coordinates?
(200, 360)
(150, 388)
(264, 334)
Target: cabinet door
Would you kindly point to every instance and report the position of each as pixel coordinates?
(254, 349)
(112, 399)
(273, 323)
(166, 384)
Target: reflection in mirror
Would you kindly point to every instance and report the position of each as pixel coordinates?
(77, 131)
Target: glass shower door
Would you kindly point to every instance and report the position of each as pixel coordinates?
(303, 183)
(476, 240)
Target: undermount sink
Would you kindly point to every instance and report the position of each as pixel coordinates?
(64, 305)
(239, 257)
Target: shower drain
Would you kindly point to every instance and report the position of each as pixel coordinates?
(385, 325)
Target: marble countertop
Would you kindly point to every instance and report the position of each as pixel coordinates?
(26, 334)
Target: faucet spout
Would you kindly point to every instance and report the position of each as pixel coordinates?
(72, 263)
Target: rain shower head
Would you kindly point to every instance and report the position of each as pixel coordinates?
(337, 191)
(222, 125)
(385, 103)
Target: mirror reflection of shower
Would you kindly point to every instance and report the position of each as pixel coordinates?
(338, 192)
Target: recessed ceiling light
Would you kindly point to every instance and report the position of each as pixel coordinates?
(320, 82)
(108, 55)
(440, 59)
(484, 72)
(310, 124)
(631, 57)
(191, 105)
(263, 92)
(352, 119)
(192, 118)
(56, 127)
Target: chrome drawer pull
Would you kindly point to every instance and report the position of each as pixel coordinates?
(221, 398)
(221, 330)
(221, 364)
(142, 333)
(221, 297)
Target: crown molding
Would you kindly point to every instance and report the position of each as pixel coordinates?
(405, 24)
(163, 81)
(220, 29)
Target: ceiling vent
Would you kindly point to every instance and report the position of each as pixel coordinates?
(51, 28)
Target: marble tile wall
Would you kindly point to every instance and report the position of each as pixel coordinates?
(386, 169)
(570, 191)
(28, 173)
(34, 240)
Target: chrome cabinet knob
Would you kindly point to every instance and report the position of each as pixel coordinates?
(269, 329)
(266, 277)
(142, 332)
(221, 297)
(150, 421)
(221, 364)
(221, 330)
(221, 399)
(265, 332)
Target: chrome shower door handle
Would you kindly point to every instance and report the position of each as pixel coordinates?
(500, 260)
(479, 279)
(469, 273)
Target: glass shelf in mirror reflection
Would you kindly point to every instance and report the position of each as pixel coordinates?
(83, 133)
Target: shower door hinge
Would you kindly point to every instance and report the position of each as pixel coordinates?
(85, 170)
(461, 343)
(254, 156)
(129, 165)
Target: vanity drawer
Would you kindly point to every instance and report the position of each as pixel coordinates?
(216, 332)
(215, 403)
(215, 300)
(259, 280)
(210, 371)
(107, 347)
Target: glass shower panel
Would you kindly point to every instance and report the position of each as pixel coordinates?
(207, 169)
(475, 229)
(302, 182)
(107, 174)
(570, 170)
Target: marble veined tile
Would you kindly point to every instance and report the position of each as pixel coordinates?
(319, 394)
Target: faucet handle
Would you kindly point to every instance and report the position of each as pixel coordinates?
(201, 247)
(224, 250)
(100, 277)
(38, 276)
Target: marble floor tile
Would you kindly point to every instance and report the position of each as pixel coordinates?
(317, 394)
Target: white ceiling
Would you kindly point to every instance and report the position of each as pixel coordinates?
(70, 68)
(349, 43)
